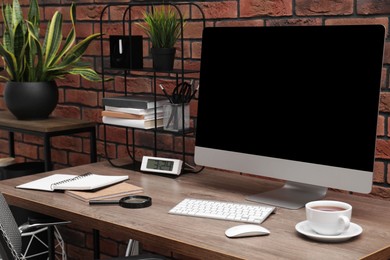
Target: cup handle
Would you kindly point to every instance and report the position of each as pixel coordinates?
(344, 223)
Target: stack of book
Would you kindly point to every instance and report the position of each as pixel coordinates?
(134, 110)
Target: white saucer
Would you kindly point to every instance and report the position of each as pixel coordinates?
(304, 229)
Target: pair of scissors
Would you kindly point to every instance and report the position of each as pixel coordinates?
(182, 93)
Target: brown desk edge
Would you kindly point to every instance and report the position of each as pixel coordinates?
(204, 238)
(52, 124)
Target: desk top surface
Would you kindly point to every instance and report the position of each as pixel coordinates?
(51, 124)
(200, 237)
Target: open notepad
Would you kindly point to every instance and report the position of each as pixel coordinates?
(86, 181)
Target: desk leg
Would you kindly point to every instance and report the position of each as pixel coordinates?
(96, 244)
(92, 141)
(47, 153)
(11, 144)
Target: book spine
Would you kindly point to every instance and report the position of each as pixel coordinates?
(136, 111)
(133, 103)
(143, 124)
(122, 115)
(115, 102)
(131, 116)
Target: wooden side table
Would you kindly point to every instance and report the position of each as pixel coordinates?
(47, 128)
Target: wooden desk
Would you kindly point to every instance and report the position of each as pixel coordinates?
(47, 128)
(204, 238)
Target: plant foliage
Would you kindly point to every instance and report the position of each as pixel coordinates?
(28, 59)
(163, 26)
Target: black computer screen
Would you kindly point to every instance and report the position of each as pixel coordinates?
(301, 93)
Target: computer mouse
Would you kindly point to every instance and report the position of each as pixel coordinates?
(246, 230)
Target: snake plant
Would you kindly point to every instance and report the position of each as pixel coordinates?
(29, 59)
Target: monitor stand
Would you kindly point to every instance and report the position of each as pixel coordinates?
(292, 195)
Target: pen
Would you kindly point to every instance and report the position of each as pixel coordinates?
(193, 93)
(165, 93)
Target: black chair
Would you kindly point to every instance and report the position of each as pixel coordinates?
(12, 236)
(34, 228)
(11, 243)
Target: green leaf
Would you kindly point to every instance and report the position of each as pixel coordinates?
(75, 53)
(53, 38)
(33, 14)
(86, 73)
(36, 69)
(10, 60)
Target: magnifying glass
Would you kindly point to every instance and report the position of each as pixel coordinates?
(133, 202)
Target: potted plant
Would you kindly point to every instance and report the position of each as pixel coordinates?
(163, 25)
(32, 65)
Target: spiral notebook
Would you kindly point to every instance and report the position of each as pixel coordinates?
(87, 181)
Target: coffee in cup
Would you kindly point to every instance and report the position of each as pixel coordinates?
(328, 217)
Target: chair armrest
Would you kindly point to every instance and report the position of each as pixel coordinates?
(33, 224)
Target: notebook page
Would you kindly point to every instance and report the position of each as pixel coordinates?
(45, 183)
(89, 181)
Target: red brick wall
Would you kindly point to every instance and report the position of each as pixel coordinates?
(82, 99)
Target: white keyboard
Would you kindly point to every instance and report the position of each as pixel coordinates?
(240, 212)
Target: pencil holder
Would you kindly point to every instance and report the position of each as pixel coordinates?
(173, 117)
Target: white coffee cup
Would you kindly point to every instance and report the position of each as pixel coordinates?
(328, 217)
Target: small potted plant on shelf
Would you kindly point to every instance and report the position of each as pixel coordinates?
(32, 65)
(163, 25)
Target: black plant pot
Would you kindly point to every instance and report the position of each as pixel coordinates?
(31, 100)
(163, 58)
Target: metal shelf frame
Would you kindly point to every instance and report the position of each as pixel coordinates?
(106, 17)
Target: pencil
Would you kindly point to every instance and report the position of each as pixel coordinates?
(193, 93)
(165, 93)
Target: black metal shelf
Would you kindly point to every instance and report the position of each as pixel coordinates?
(126, 22)
(151, 70)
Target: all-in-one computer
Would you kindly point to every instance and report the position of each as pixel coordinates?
(295, 103)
